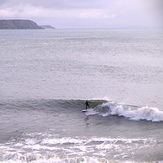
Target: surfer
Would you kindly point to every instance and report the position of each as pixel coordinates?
(87, 104)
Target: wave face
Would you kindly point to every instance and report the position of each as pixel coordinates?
(107, 108)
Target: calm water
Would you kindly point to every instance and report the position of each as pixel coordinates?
(45, 78)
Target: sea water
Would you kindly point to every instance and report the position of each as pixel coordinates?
(45, 78)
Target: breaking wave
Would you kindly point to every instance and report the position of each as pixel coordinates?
(128, 111)
(97, 107)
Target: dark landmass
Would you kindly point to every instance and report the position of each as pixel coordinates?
(47, 26)
(18, 24)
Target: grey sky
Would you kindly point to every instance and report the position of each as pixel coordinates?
(86, 13)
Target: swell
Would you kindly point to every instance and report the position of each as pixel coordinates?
(97, 107)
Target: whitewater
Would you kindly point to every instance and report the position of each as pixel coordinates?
(47, 75)
(130, 112)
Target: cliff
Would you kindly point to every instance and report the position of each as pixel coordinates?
(18, 24)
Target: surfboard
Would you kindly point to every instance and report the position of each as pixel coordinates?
(84, 110)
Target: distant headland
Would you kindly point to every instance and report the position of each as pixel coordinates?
(19, 24)
(47, 26)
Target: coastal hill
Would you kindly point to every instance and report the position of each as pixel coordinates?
(18, 24)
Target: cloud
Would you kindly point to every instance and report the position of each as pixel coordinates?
(55, 10)
(91, 13)
(38, 11)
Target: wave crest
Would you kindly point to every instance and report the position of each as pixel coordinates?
(128, 111)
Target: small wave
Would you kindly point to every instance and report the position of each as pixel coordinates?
(128, 111)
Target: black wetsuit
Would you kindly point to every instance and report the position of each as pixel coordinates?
(87, 104)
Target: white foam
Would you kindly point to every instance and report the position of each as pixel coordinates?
(51, 149)
(61, 141)
(91, 112)
(143, 113)
(130, 112)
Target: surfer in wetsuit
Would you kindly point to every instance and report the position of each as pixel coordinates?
(87, 104)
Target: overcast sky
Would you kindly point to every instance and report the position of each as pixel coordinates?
(86, 13)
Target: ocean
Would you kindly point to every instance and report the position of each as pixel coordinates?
(47, 75)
